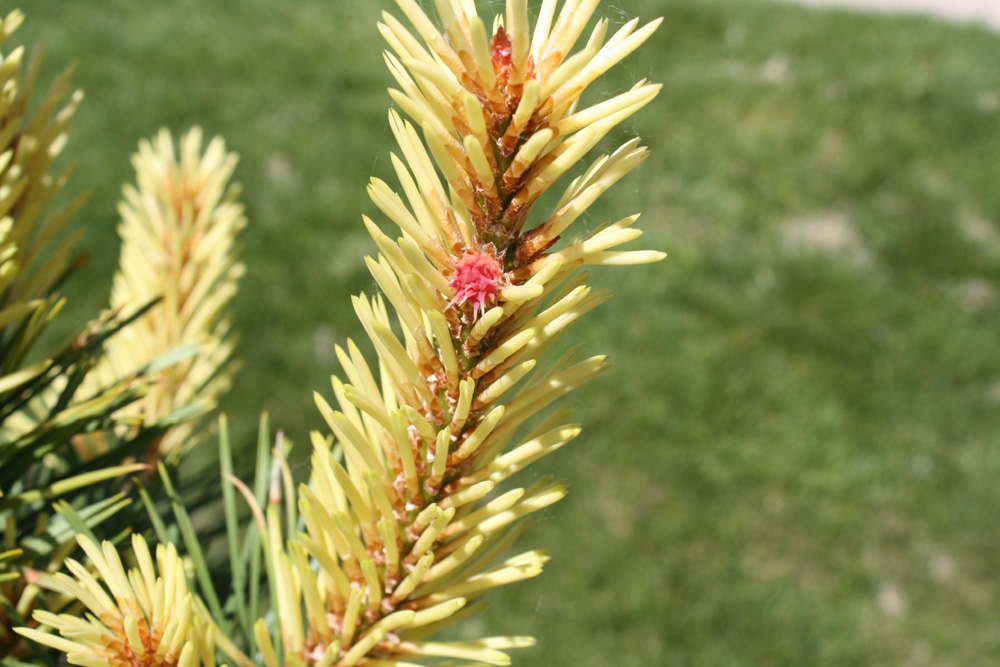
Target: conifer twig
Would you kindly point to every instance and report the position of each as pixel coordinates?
(179, 227)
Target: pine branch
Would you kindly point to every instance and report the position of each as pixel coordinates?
(178, 230)
(404, 530)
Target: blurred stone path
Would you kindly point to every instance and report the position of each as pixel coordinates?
(963, 11)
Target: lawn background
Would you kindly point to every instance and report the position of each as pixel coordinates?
(795, 458)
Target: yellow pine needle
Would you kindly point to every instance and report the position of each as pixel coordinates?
(325, 482)
(623, 43)
(330, 655)
(445, 347)
(348, 531)
(70, 484)
(362, 376)
(567, 70)
(456, 36)
(543, 25)
(469, 494)
(625, 258)
(84, 587)
(423, 93)
(374, 588)
(500, 386)
(402, 438)
(421, 264)
(545, 274)
(328, 563)
(529, 504)
(502, 351)
(526, 157)
(525, 110)
(504, 643)
(440, 462)
(474, 440)
(367, 643)
(380, 493)
(553, 330)
(87, 660)
(10, 23)
(474, 114)
(450, 563)
(413, 579)
(483, 326)
(558, 385)
(597, 36)
(390, 287)
(437, 613)
(309, 505)
(424, 176)
(494, 546)
(357, 449)
(547, 171)
(439, 142)
(53, 641)
(390, 204)
(423, 544)
(516, 569)
(359, 503)
(569, 213)
(387, 529)
(417, 277)
(466, 390)
(434, 39)
(632, 100)
(569, 302)
(460, 650)
(351, 617)
(515, 295)
(480, 164)
(492, 508)
(400, 39)
(422, 520)
(368, 405)
(520, 40)
(440, 80)
(394, 351)
(426, 431)
(288, 597)
(599, 242)
(400, 263)
(568, 31)
(315, 610)
(264, 645)
(486, 75)
(607, 170)
(530, 451)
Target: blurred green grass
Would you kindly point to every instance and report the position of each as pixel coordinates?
(795, 458)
